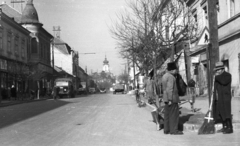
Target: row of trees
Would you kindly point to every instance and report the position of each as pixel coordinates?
(147, 31)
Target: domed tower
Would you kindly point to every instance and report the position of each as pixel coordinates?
(106, 65)
(29, 19)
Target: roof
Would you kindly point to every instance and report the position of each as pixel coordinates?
(11, 12)
(62, 46)
(29, 14)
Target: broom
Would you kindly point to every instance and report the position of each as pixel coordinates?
(208, 126)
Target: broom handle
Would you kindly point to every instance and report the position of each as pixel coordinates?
(210, 108)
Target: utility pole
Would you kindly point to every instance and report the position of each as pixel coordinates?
(213, 46)
(134, 79)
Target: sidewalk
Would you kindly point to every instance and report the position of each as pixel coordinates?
(196, 119)
(192, 121)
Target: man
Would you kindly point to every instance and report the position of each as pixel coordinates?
(222, 98)
(171, 100)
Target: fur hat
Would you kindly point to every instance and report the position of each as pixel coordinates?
(171, 66)
(219, 65)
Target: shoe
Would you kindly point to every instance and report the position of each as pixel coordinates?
(177, 133)
(221, 130)
(228, 131)
(166, 132)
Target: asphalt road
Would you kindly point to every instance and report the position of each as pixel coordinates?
(96, 120)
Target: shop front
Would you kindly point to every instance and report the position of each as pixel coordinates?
(12, 73)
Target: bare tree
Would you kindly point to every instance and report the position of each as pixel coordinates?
(149, 28)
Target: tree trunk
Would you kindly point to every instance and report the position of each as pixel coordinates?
(187, 61)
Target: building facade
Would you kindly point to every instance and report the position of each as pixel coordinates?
(228, 35)
(14, 41)
(39, 50)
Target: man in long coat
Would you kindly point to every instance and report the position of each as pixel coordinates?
(171, 100)
(222, 98)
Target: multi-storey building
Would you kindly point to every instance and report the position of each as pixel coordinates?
(67, 59)
(228, 35)
(14, 42)
(37, 44)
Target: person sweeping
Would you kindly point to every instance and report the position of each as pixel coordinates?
(222, 98)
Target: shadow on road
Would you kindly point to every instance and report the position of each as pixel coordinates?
(16, 113)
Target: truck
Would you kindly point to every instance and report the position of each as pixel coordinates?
(65, 87)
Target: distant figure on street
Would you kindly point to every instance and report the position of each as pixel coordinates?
(222, 98)
(171, 100)
(55, 92)
(192, 93)
(13, 92)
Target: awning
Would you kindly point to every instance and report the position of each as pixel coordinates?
(196, 50)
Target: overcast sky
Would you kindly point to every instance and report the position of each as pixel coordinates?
(85, 27)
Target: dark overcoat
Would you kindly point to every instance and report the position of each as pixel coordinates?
(222, 96)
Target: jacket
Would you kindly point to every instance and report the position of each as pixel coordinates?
(170, 91)
(222, 94)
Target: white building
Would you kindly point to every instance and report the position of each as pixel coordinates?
(62, 55)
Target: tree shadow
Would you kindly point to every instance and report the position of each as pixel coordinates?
(182, 120)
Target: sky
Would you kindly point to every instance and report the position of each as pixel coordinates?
(85, 28)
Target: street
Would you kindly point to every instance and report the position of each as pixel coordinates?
(94, 120)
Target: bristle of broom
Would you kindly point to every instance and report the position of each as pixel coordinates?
(207, 128)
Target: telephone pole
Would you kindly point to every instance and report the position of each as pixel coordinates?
(213, 47)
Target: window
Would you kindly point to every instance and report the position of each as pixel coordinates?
(34, 45)
(9, 42)
(16, 45)
(23, 48)
(232, 8)
(1, 40)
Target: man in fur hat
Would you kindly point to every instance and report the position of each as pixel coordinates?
(171, 100)
(222, 98)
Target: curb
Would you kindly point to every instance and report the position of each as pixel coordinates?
(196, 127)
(21, 102)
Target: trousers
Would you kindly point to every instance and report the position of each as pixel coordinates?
(171, 117)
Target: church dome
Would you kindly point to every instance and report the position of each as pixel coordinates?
(105, 61)
(29, 14)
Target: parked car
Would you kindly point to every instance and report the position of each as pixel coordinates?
(118, 88)
(92, 90)
(103, 90)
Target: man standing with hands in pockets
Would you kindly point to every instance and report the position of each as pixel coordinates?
(171, 100)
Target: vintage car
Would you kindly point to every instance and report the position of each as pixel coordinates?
(118, 88)
(65, 87)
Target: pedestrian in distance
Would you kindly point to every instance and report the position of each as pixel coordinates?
(171, 100)
(222, 98)
(54, 92)
(13, 92)
(192, 93)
